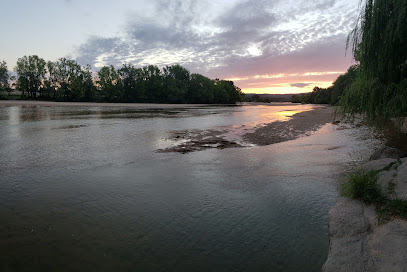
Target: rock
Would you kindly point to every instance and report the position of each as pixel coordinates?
(358, 243)
(400, 180)
(347, 254)
(384, 178)
(388, 247)
(387, 152)
(378, 164)
(348, 231)
(346, 218)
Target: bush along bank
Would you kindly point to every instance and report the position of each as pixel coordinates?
(368, 226)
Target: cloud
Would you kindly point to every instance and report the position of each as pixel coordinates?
(300, 85)
(245, 38)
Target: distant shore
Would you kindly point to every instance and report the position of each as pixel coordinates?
(34, 103)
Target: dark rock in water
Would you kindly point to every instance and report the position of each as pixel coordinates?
(387, 152)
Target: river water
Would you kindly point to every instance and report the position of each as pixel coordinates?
(84, 188)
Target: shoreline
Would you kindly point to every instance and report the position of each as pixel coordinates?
(35, 103)
(358, 240)
(41, 103)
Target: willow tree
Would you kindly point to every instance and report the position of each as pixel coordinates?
(379, 43)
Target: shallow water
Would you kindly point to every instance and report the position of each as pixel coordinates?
(84, 189)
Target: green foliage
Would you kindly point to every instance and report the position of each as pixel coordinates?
(391, 187)
(394, 207)
(110, 84)
(176, 83)
(66, 80)
(201, 89)
(363, 185)
(380, 45)
(4, 77)
(133, 83)
(31, 73)
(342, 83)
(330, 95)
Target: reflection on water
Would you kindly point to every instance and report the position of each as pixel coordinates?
(84, 189)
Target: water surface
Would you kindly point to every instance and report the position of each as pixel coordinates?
(83, 188)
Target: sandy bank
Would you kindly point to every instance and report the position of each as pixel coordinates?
(301, 124)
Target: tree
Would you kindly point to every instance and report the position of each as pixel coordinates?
(86, 84)
(176, 83)
(67, 80)
(153, 83)
(110, 83)
(379, 43)
(226, 92)
(31, 73)
(201, 89)
(342, 83)
(133, 83)
(4, 77)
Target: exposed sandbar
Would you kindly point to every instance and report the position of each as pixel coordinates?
(300, 124)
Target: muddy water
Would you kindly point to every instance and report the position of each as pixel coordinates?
(84, 189)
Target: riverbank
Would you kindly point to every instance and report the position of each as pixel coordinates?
(359, 241)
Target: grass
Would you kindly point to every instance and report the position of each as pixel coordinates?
(392, 208)
(391, 187)
(363, 185)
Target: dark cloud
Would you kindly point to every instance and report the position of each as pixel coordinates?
(249, 38)
(300, 85)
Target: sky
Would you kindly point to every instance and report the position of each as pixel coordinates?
(264, 46)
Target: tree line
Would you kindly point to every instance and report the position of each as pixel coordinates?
(331, 95)
(66, 80)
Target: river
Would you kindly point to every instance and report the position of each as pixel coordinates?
(84, 188)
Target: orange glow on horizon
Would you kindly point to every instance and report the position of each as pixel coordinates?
(286, 83)
(286, 88)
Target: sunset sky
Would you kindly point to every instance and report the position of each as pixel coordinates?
(264, 46)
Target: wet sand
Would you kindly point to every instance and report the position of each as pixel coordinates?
(300, 124)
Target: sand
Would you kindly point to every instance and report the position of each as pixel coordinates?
(301, 124)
